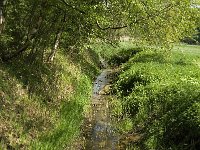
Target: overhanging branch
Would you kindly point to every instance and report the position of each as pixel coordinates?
(73, 7)
(22, 49)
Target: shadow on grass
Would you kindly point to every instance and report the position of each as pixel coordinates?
(88, 59)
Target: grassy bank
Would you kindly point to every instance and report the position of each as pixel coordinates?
(42, 104)
(159, 94)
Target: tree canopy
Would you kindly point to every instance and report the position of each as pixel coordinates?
(39, 27)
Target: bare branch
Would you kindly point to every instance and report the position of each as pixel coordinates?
(73, 7)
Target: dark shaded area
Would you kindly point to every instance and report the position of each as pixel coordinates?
(123, 56)
(195, 40)
(127, 86)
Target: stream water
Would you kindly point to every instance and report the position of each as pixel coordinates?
(102, 134)
(98, 131)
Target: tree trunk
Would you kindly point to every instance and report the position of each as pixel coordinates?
(56, 44)
(57, 40)
(2, 19)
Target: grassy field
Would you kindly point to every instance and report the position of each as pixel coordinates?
(187, 49)
(159, 93)
(42, 105)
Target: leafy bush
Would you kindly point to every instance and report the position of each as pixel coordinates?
(162, 97)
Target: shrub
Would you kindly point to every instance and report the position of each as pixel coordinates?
(163, 99)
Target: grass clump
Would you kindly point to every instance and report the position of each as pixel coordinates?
(161, 96)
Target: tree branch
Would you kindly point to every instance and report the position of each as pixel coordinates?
(73, 7)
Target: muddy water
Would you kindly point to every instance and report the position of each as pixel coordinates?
(102, 133)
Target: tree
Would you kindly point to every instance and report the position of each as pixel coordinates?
(37, 28)
(2, 20)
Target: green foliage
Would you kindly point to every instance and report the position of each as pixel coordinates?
(117, 53)
(162, 98)
(125, 125)
(34, 25)
(116, 107)
(45, 99)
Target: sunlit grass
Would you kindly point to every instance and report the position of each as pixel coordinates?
(187, 49)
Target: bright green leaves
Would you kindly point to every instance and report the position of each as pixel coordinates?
(152, 21)
(161, 96)
(161, 21)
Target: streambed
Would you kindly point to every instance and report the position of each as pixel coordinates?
(98, 130)
(102, 133)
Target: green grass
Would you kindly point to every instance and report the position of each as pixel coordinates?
(42, 105)
(160, 93)
(187, 49)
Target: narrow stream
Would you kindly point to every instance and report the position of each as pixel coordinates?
(103, 135)
(98, 131)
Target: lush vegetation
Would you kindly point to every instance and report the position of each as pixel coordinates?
(47, 68)
(38, 28)
(160, 94)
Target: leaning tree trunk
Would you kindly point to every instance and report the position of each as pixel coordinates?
(2, 20)
(54, 49)
(57, 41)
